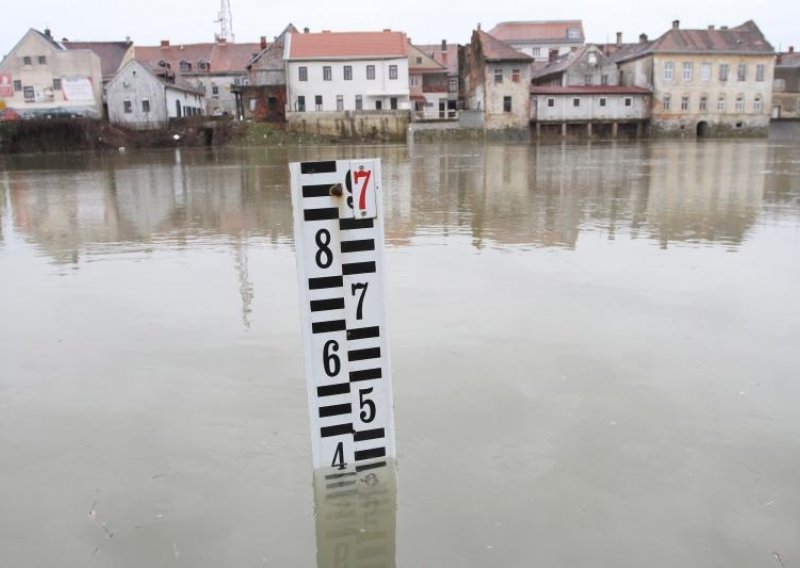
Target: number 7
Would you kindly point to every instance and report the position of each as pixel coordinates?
(362, 198)
(355, 288)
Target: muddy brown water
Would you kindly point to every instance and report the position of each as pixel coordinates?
(595, 354)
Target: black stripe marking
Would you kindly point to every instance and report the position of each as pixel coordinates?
(347, 224)
(323, 190)
(325, 282)
(328, 326)
(335, 410)
(369, 454)
(362, 354)
(339, 484)
(321, 214)
(329, 304)
(318, 167)
(358, 246)
(363, 332)
(350, 268)
(365, 375)
(369, 434)
(332, 390)
(367, 466)
(339, 475)
(337, 430)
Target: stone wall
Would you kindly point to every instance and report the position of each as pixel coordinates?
(385, 126)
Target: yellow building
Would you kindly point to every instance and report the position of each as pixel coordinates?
(715, 81)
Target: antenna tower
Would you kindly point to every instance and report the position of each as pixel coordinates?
(225, 21)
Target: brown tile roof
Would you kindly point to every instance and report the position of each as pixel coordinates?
(496, 50)
(222, 57)
(540, 32)
(111, 53)
(589, 90)
(788, 60)
(435, 51)
(427, 63)
(561, 64)
(340, 45)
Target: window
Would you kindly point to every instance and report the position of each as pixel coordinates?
(340, 102)
(379, 105)
(392, 72)
(393, 103)
(56, 84)
(684, 102)
(573, 33)
(576, 102)
(318, 102)
(27, 60)
(758, 105)
(602, 101)
(688, 70)
(42, 60)
(760, 69)
(604, 79)
(359, 102)
(202, 65)
(215, 90)
(413, 80)
(253, 103)
(185, 66)
(17, 85)
(723, 71)
(348, 72)
(506, 104)
(628, 101)
(419, 61)
(721, 103)
(536, 51)
(666, 102)
(551, 102)
(327, 74)
(272, 103)
(371, 72)
(515, 75)
(453, 84)
(669, 70)
(703, 103)
(127, 106)
(705, 72)
(28, 93)
(741, 72)
(145, 105)
(498, 75)
(739, 103)
(302, 73)
(587, 79)
(301, 104)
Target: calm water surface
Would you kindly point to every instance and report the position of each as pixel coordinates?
(595, 349)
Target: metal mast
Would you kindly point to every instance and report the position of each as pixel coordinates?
(225, 21)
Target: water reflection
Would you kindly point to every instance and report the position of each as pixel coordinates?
(498, 195)
(355, 516)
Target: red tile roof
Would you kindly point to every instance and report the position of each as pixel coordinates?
(589, 90)
(222, 57)
(341, 45)
(496, 50)
(789, 60)
(540, 32)
(435, 51)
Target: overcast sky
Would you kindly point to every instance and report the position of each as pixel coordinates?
(188, 21)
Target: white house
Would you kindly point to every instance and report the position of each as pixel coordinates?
(346, 71)
(142, 97)
(539, 39)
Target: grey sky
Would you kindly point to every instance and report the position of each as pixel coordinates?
(188, 21)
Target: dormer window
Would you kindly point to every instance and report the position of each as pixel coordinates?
(162, 63)
(592, 58)
(573, 33)
(185, 66)
(202, 65)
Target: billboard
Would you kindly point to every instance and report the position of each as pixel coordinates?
(78, 89)
(6, 85)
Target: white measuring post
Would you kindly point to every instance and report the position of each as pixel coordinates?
(339, 243)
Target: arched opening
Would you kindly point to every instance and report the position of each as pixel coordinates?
(703, 129)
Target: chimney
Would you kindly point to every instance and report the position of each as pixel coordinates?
(387, 29)
(222, 40)
(47, 33)
(619, 38)
(723, 27)
(263, 42)
(676, 24)
(552, 56)
(127, 39)
(642, 38)
(444, 45)
(326, 31)
(164, 43)
(791, 49)
(305, 30)
(711, 27)
(479, 26)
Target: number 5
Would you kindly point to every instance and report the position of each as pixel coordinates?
(369, 414)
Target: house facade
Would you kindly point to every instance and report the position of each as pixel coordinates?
(704, 82)
(142, 97)
(263, 98)
(40, 78)
(786, 89)
(347, 71)
(539, 38)
(496, 81)
(446, 54)
(428, 84)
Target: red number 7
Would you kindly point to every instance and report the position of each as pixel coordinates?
(362, 200)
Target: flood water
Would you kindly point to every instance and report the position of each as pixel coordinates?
(595, 359)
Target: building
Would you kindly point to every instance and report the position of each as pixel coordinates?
(705, 82)
(143, 97)
(428, 84)
(263, 98)
(214, 68)
(786, 89)
(347, 71)
(40, 78)
(539, 39)
(446, 54)
(114, 55)
(495, 80)
(578, 93)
